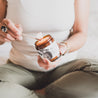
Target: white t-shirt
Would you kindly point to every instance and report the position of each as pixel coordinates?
(55, 17)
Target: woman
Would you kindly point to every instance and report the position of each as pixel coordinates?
(67, 22)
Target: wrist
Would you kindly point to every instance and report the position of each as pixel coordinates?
(64, 48)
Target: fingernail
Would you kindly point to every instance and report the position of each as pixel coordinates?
(44, 61)
(18, 33)
(13, 39)
(7, 40)
(5, 22)
(20, 38)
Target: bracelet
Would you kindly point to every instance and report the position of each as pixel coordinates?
(66, 45)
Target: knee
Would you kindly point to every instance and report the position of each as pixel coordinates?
(9, 75)
(54, 91)
(74, 85)
(9, 90)
(5, 75)
(80, 64)
(83, 61)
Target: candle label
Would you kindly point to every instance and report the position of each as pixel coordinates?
(50, 51)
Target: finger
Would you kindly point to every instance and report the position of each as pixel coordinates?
(46, 64)
(16, 37)
(50, 67)
(40, 60)
(50, 64)
(7, 36)
(19, 27)
(2, 39)
(12, 27)
(11, 33)
(46, 61)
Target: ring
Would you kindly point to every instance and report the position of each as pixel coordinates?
(4, 29)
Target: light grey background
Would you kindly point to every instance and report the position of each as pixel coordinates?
(90, 49)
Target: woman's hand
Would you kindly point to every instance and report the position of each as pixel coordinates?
(63, 48)
(14, 31)
(46, 64)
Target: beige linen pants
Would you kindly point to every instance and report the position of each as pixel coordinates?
(75, 79)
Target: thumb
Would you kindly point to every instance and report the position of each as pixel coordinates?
(46, 61)
(19, 26)
(40, 59)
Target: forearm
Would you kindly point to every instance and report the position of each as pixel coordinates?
(76, 41)
(80, 27)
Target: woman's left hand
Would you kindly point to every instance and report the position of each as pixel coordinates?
(46, 64)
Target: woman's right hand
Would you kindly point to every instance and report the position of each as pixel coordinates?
(14, 31)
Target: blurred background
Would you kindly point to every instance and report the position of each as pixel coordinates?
(90, 49)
